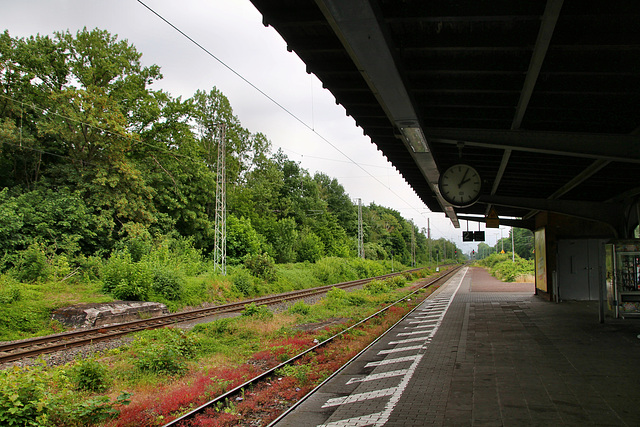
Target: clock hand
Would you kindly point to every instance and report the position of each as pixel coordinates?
(464, 180)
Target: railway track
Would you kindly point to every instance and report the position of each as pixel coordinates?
(267, 375)
(34, 347)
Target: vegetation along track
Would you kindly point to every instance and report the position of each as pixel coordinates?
(271, 372)
(48, 344)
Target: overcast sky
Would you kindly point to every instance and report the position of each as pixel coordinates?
(232, 31)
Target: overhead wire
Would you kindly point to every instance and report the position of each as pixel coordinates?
(271, 99)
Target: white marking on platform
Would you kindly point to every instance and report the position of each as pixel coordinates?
(423, 326)
(420, 322)
(365, 420)
(374, 377)
(426, 316)
(399, 349)
(359, 397)
(408, 340)
(391, 361)
(404, 334)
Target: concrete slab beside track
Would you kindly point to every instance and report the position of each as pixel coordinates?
(482, 353)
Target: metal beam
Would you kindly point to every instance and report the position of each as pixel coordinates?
(608, 213)
(619, 148)
(591, 170)
(357, 26)
(547, 26)
(512, 222)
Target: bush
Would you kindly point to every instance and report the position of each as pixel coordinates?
(125, 279)
(262, 266)
(35, 396)
(336, 298)
(300, 307)
(24, 400)
(164, 351)
(32, 265)
(242, 280)
(309, 247)
(376, 287)
(258, 311)
(334, 270)
(161, 360)
(503, 267)
(90, 375)
(356, 299)
(168, 283)
(397, 281)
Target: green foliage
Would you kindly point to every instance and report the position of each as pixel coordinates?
(127, 280)
(36, 396)
(242, 239)
(376, 287)
(24, 397)
(375, 251)
(299, 372)
(262, 266)
(168, 283)
(309, 247)
(9, 290)
(258, 311)
(398, 281)
(32, 265)
(300, 307)
(215, 328)
(243, 282)
(90, 375)
(505, 268)
(164, 351)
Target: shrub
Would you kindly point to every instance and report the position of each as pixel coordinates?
(262, 266)
(161, 360)
(376, 287)
(243, 281)
(24, 400)
(333, 270)
(504, 268)
(32, 265)
(36, 396)
(125, 279)
(164, 351)
(397, 281)
(309, 247)
(300, 307)
(168, 283)
(90, 375)
(355, 299)
(258, 311)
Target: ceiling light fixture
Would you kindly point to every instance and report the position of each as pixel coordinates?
(415, 138)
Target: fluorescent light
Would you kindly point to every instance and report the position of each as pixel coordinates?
(416, 139)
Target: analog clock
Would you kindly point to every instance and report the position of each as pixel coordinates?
(460, 185)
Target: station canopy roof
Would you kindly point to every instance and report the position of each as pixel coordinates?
(542, 98)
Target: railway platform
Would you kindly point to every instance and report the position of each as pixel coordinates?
(479, 352)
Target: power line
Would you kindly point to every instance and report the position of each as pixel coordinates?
(286, 110)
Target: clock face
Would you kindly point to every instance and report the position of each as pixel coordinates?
(460, 185)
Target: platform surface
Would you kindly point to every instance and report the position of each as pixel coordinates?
(479, 352)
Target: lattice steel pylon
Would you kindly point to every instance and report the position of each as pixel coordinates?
(413, 245)
(220, 233)
(360, 231)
